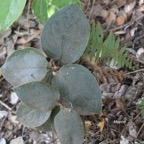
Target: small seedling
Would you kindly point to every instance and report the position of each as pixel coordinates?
(73, 91)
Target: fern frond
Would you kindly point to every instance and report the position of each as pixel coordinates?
(106, 49)
(95, 43)
(142, 107)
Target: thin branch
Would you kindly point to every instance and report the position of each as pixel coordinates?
(127, 24)
(135, 71)
(5, 105)
(140, 129)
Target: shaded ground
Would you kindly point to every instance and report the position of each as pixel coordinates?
(121, 91)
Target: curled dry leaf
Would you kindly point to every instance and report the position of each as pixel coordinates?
(13, 119)
(139, 52)
(122, 13)
(111, 18)
(120, 20)
(103, 13)
(133, 30)
(120, 3)
(129, 7)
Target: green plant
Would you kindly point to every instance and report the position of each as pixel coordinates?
(141, 105)
(10, 11)
(52, 101)
(106, 49)
(42, 10)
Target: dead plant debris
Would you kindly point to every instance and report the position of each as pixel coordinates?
(121, 121)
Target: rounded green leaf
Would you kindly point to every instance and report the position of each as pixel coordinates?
(78, 87)
(69, 127)
(66, 34)
(39, 9)
(38, 95)
(31, 117)
(49, 124)
(61, 3)
(24, 66)
(10, 11)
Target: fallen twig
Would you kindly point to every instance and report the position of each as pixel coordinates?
(140, 129)
(5, 105)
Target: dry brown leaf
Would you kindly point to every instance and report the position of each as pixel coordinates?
(129, 7)
(120, 103)
(34, 34)
(103, 13)
(13, 119)
(122, 13)
(114, 9)
(111, 18)
(87, 126)
(120, 20)
(21, 41)
(101, 124)
(105, 1)
(120, 3)
(95, 11)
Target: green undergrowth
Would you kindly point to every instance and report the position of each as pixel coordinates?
(106, 48)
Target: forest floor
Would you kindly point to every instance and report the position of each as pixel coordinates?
(121, 121)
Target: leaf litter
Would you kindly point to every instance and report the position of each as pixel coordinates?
(123, 17)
